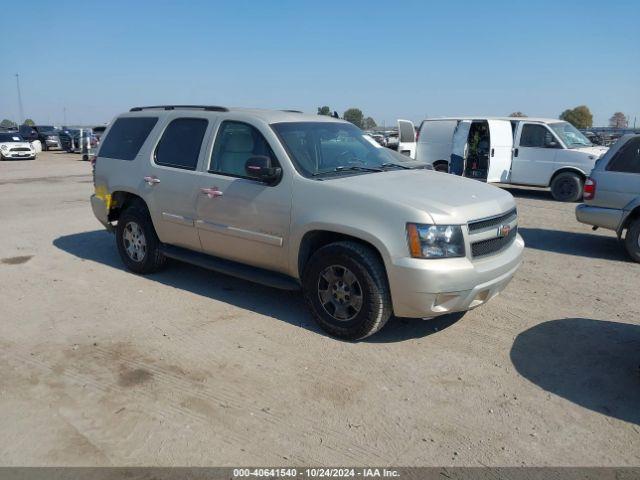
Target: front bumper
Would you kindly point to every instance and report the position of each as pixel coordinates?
(23, 155)
(609, 218)
(427, 288)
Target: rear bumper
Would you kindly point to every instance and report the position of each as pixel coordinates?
(609, 218)
(99, 207)
(428, 288)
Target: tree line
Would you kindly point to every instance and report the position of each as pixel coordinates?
(581, 117)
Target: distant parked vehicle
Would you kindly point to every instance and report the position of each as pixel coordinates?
(13, 146)
(72, 139)
(612, 194)
(47, 135)
(522, 151)
(391, 141)
(99, 131)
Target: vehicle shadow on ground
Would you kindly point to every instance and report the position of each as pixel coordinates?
(593, 363)
(99, 246)
(531, 193)
(574, 243)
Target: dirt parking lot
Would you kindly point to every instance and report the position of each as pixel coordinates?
(187, 367)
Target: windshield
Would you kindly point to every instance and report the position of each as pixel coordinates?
(319, 148)
(10, 137)
(570, 135)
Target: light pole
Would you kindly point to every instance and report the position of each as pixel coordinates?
(21, 112)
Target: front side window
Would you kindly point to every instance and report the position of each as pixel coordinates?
(570, 135)
(537, 136)
(237, 142)
(125, 137)
(319, 148)
(180, 144)
(627, 159)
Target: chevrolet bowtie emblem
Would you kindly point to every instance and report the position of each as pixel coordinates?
(503, 231)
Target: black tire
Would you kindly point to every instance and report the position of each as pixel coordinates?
(150, 258)
(374, 295)
(567, 187)
(441, 167)
(632, 240)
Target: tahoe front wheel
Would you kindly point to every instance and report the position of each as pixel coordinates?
(346, 288)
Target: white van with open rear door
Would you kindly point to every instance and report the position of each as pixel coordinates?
(520, 151)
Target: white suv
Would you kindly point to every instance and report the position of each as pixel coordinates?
(303, 202)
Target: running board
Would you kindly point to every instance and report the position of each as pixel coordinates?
(228, 267)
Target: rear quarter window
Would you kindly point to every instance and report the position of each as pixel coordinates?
(126, 136)
(627, 159)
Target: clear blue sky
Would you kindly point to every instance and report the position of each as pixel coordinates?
(393, 59)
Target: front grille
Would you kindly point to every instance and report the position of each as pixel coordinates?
(493, 245)
(493, 222)
(20, 149)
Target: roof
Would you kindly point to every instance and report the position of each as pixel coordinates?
(480, 117)
(268, 116)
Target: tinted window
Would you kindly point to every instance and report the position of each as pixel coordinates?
(126, 137)
(235, 143)
(10, 137)
(627, 159)
(535, 136)
(180, 144)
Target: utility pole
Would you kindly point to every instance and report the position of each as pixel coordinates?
(21, 112)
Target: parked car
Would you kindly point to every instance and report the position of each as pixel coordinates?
(13, 146)
(391, 141)
(46, 134)
(99, 131)
(612, 194)
(72, 140)
(523, 151)
(303, 202)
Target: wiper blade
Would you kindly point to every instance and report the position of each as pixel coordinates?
(353, 168)
(391, 164)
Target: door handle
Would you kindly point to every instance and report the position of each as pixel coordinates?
(492, 152)
(152, 180)
(515, 152)
(212, 192)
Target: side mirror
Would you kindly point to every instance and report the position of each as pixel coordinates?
(260, 168)
(552, 144)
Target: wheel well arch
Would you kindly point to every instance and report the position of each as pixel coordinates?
(440, 162)
(577, 171)
(630, 217)
(313, 240)
(121, 200)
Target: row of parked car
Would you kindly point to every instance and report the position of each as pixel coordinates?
(35, 138)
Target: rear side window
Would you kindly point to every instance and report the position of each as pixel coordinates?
(126, 137)
(180, 144)
(627, 159)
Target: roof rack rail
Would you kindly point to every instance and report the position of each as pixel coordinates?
(292, 111)
(208, 108)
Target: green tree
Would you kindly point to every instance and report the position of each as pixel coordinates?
(579, 117)
(369, 123)
(324, 111)
(619, 120)
(517, 115)
(29, 122)
(355, 116)
(6, 123)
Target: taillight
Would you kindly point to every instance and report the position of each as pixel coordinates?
(589, 190)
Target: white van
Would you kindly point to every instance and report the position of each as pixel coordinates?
(522, 151)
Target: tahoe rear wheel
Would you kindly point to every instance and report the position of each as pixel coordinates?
(567, 187)
(137, 241)
(632, 240)
(346, 288)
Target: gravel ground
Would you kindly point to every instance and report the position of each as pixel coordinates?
(187, 367)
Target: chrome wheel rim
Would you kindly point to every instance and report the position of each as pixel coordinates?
(340, 293)
(135, 243)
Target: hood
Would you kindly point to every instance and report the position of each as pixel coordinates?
(15, 144)
(595, 151)
(447, 198)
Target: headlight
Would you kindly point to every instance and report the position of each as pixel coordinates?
(435, 241)
(4, 148)
(51, 137)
